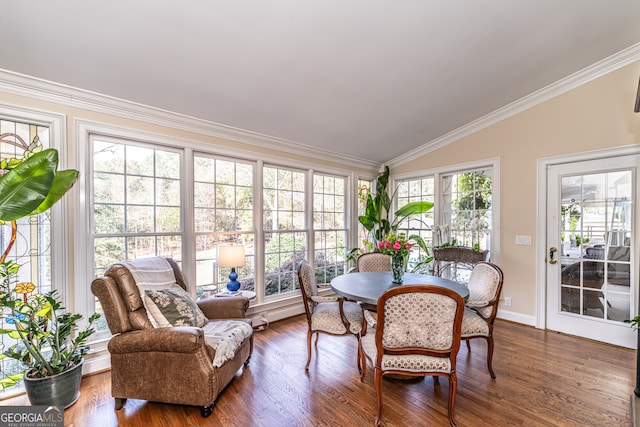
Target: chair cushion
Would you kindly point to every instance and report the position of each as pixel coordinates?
(473, 324)
(225, 337)
(410, 362)
(353, 313)
(173, 307)
(326, 318)
(483, 285)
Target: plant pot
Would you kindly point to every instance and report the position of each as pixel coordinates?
(61, 390)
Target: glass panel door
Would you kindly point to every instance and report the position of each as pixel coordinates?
(591, 284)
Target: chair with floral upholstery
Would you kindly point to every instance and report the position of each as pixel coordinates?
(373, 261)
(485, 286)
(326, 314)
(416, 333)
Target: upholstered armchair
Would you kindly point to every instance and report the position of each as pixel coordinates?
(416, 333)
(485, 286)
(326, 314)
(373, 261)
(154, 360)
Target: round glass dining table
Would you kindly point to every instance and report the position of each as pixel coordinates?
(367, 287)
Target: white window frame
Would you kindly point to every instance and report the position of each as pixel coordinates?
(437, 173)
(312, 211)
(285, 305)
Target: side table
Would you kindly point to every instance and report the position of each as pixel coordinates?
(250, 295)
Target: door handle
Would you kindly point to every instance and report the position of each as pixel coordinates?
(552, 251)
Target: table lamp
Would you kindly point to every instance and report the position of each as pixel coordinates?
(231, 256)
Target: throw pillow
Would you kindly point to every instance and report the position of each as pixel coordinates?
(173, 306)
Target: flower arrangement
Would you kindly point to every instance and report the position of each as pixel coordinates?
(395, 245)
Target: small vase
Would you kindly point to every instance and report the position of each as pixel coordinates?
(397, 268)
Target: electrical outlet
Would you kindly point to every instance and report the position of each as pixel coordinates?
(507, 301)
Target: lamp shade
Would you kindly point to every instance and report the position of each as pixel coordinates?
(231, 256)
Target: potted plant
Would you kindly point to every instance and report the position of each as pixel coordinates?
(46, 341)
(376, 216)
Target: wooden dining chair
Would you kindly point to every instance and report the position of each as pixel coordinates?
(373, 261)
(416, 333)
(485, 286)
(326, 314)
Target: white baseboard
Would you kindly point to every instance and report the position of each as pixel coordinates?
(516, 317)
(96, 362)
(273, 314)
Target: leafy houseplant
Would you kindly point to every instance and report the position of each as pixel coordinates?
(376, 218)
(37, 322)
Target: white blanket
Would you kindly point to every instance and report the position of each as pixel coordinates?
(225, 336)
(154, 274)
(151, 273)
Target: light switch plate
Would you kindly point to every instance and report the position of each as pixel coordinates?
(523, 240)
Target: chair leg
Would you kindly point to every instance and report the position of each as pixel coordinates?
(362, 362)
(120, 403)
(309, 336)
(205, 411)
(378, 376)
(468, 346)
(359, 356)
(453, 388)
(490, 356)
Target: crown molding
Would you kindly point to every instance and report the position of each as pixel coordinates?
(599, 69)
(23, 85)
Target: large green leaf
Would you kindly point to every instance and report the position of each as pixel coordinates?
(62, 182)
(25, 187)
(413, 208)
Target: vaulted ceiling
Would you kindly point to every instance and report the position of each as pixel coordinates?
(371, 79)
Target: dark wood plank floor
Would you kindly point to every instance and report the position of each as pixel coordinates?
(543, 379)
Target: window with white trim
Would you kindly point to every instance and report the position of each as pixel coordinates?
(223, 206)
(467, 207)
(416, 190)
(136, 203)
(284, 225)
(329, 226)
(462, 213)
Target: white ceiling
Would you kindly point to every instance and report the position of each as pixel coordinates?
(372, 79)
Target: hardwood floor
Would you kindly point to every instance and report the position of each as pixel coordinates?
(543, 379)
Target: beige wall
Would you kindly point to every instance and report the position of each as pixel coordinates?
(594, 116)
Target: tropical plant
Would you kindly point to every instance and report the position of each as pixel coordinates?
(376, 216)
(378, 209)
(30, 185)
(42, 330)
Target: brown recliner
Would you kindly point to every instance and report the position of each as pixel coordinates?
(169, 365)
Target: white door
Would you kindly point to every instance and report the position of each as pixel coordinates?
(591, 264)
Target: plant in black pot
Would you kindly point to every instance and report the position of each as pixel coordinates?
(40, 335)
